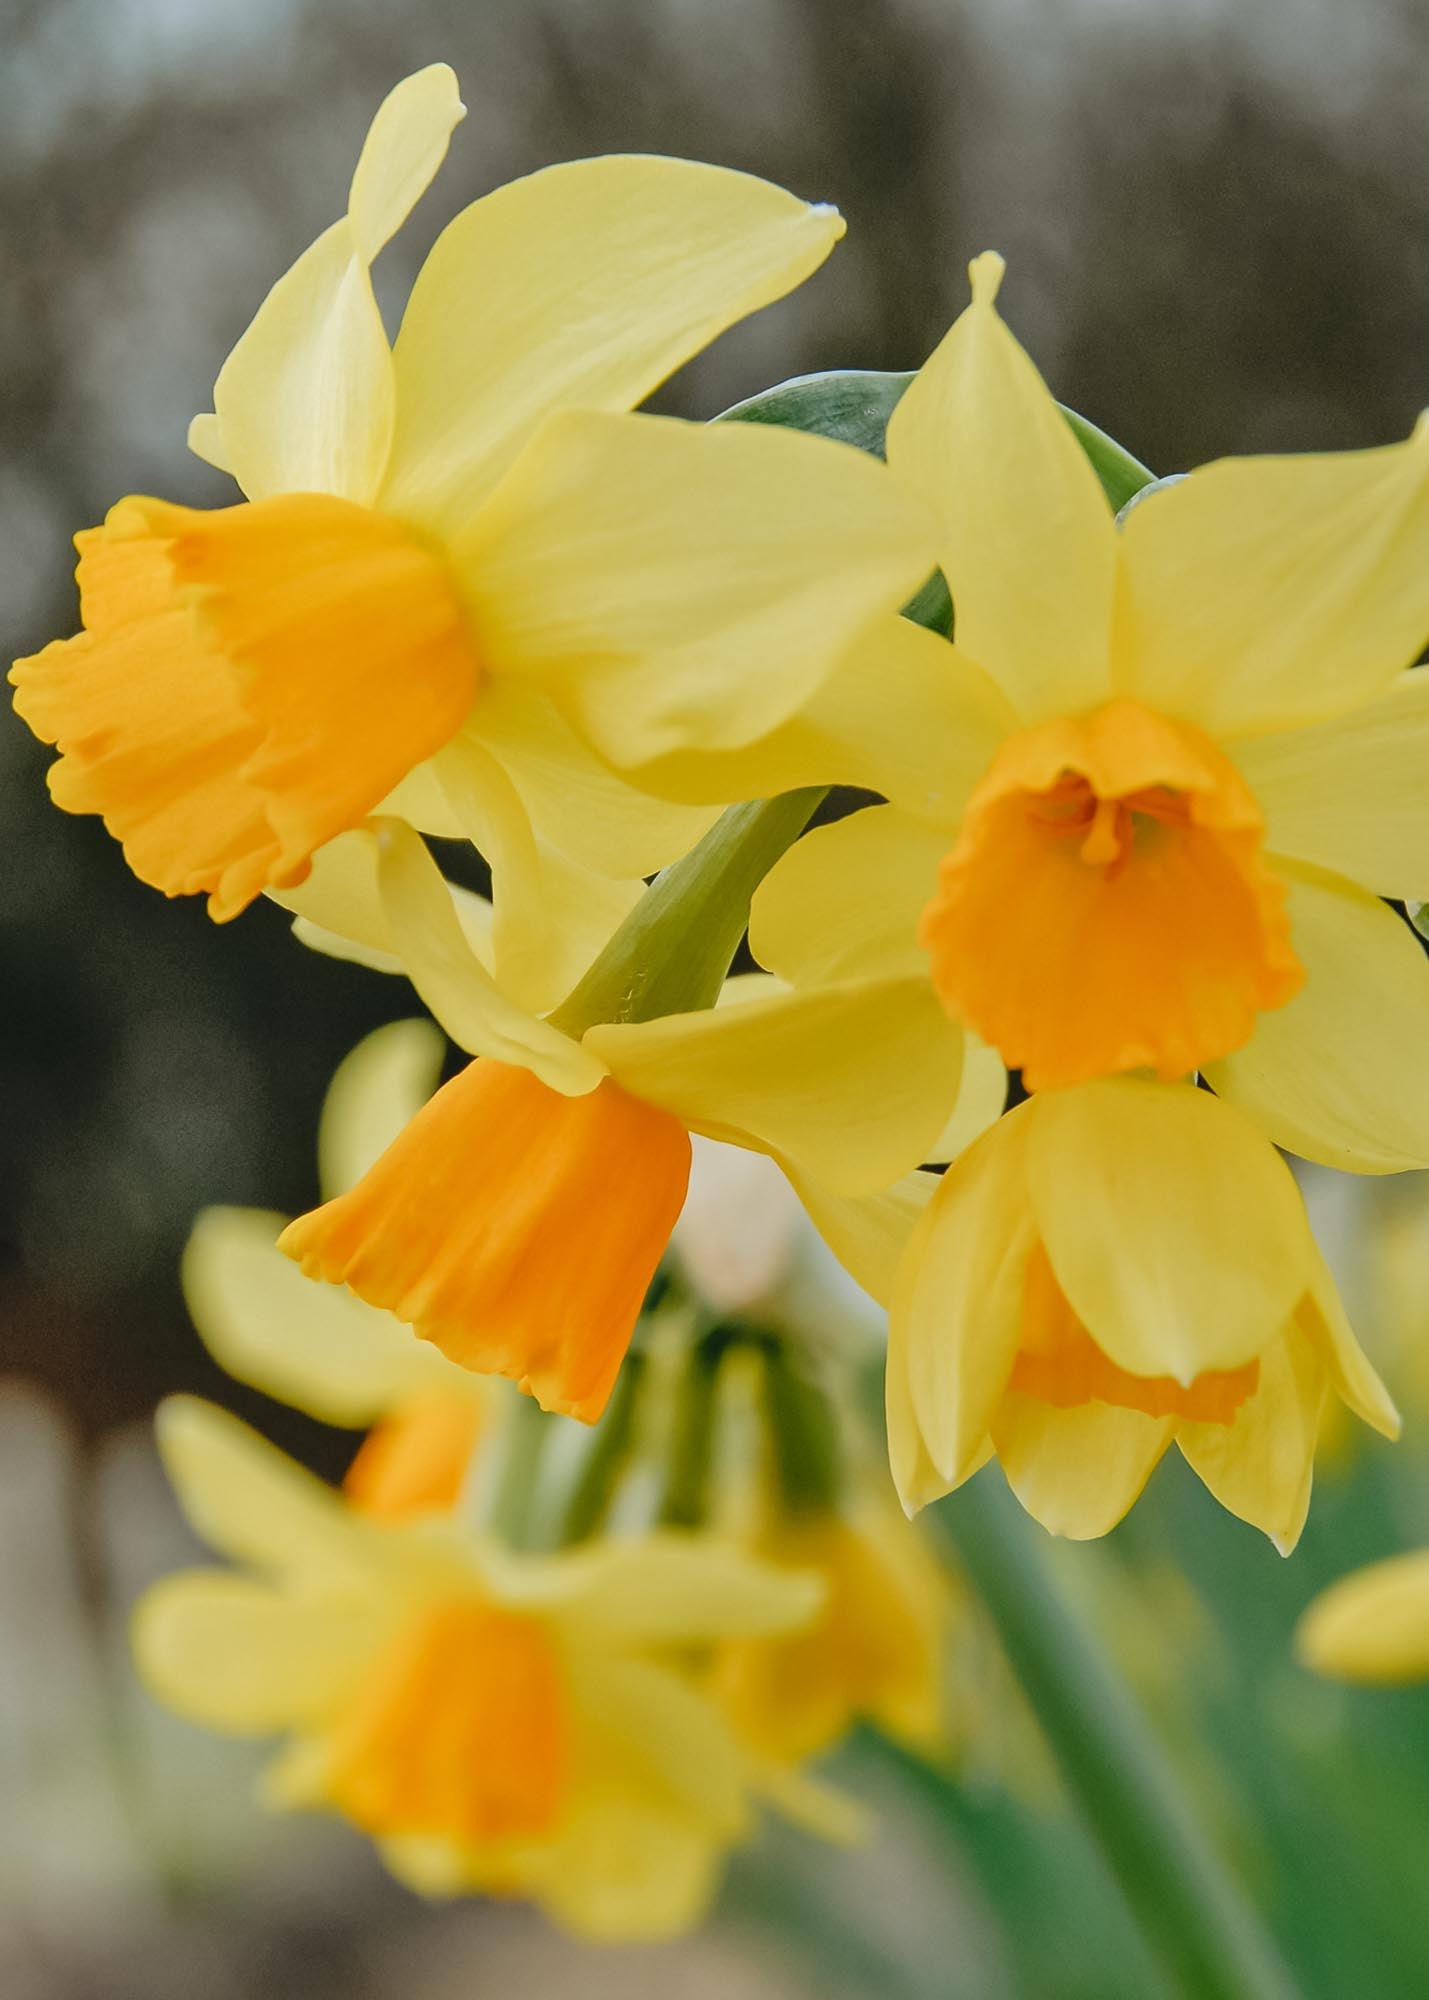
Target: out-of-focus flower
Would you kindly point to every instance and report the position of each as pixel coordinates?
(1113, 1267)
(512, 1724)
(1372, 1626)
(519, 1218)
(462, 558)
(1142, 814)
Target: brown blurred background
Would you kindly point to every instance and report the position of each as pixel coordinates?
(1217, 227)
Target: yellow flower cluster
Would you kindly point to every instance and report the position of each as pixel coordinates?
(1139, 809)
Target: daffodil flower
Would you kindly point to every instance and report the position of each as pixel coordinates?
(494, 1722)
(1141, 814)
(518, 1219)
(1112, 1268)
(464, 573)
(1371, 1627)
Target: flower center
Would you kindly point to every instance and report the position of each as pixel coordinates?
(1059, 1363)
(1106, 906)
(459, 1731)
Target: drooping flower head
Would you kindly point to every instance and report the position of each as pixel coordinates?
(457, 547)
(1113, 1268)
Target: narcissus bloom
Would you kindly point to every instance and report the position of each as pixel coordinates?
(1111, 1268)
(498, 1723)
(460, 557)
(1142, 813)
(519, 1218)
(1371, 1627)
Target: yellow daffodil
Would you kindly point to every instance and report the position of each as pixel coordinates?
(462, 567)
(1141, 814)
(497, 1723)
(323, 1350)
(1111, 1268)
(518, 1219)
(1371, 1627)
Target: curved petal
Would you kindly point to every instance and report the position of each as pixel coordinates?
(957, 1308)
(982, 1097)
(375, 1089)
(902, 713)
(852, 1083)
(1269, 593)
(1350, 795)
(451, 979)
(552, 915)
(868, 1234)
(239, 1656)
(313, 1346)
(626, 1870)
(1260, 1466)
(1371, 1627)
(575, 801)
(846, 900)
(1077, 1471)
(916, 1479)
(305, 403)
(1339, 1073)
(1028, 545)
(1175, 1230)
(1323, 1318)
(585, 284)
(249, 1500)
(673, 584)
(338, 909)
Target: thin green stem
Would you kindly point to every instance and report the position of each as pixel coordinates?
(1192, 1912)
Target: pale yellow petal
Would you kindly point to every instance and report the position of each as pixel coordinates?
(375, 1090)
(981, 1097)
(1028, 546)
(1260, 1466)
(1339, 1074)
(1077, 1471)
(957, 1308)
(440, 963)
(915, 1477)
(583, 285)
(1372, 1626)
(552, 914)
(575, 801)
(845, 901)
(205, 440)
(902, 713)
(315, 1346)
(852, 1083)
(1174, 1228)
(626, 1871)
(248, 1500)
(1353, 1378)
(239, 1656)
(867, 1234)
(1266, 593)
(663, 1740)
(305, 403)
(672, 584)
(1349, 795)
(338, 909)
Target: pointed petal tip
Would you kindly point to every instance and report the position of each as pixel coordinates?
(985, 274)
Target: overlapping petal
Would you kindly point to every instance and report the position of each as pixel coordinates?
(845, 901)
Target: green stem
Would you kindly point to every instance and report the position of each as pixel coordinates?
(1191, 1911)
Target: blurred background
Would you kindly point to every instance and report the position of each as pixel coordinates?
(1217, 229)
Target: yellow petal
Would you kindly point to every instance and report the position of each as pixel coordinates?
(1260, 1466)
(664, 1742)
(957, 1309)
(1175, 1230)
(338, 909)
(1338, 1074)
(1349, 795)
(375, 1089)
(625, 1872)
(1079, 1470)
(852, 1082)
(1268, 593)
(867, 1234)
(305, 403)
(673, 584)
(310, 1345)
(846, 900)
(981, 1098)
(552, 915)
(1354, 1380)
(1027, 541)
(428, 938)
(576, 802)
(250, 1501)
(1372, 1626)
(583, 285)
(238, 1656)
(902, 713)
(915, 1477)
